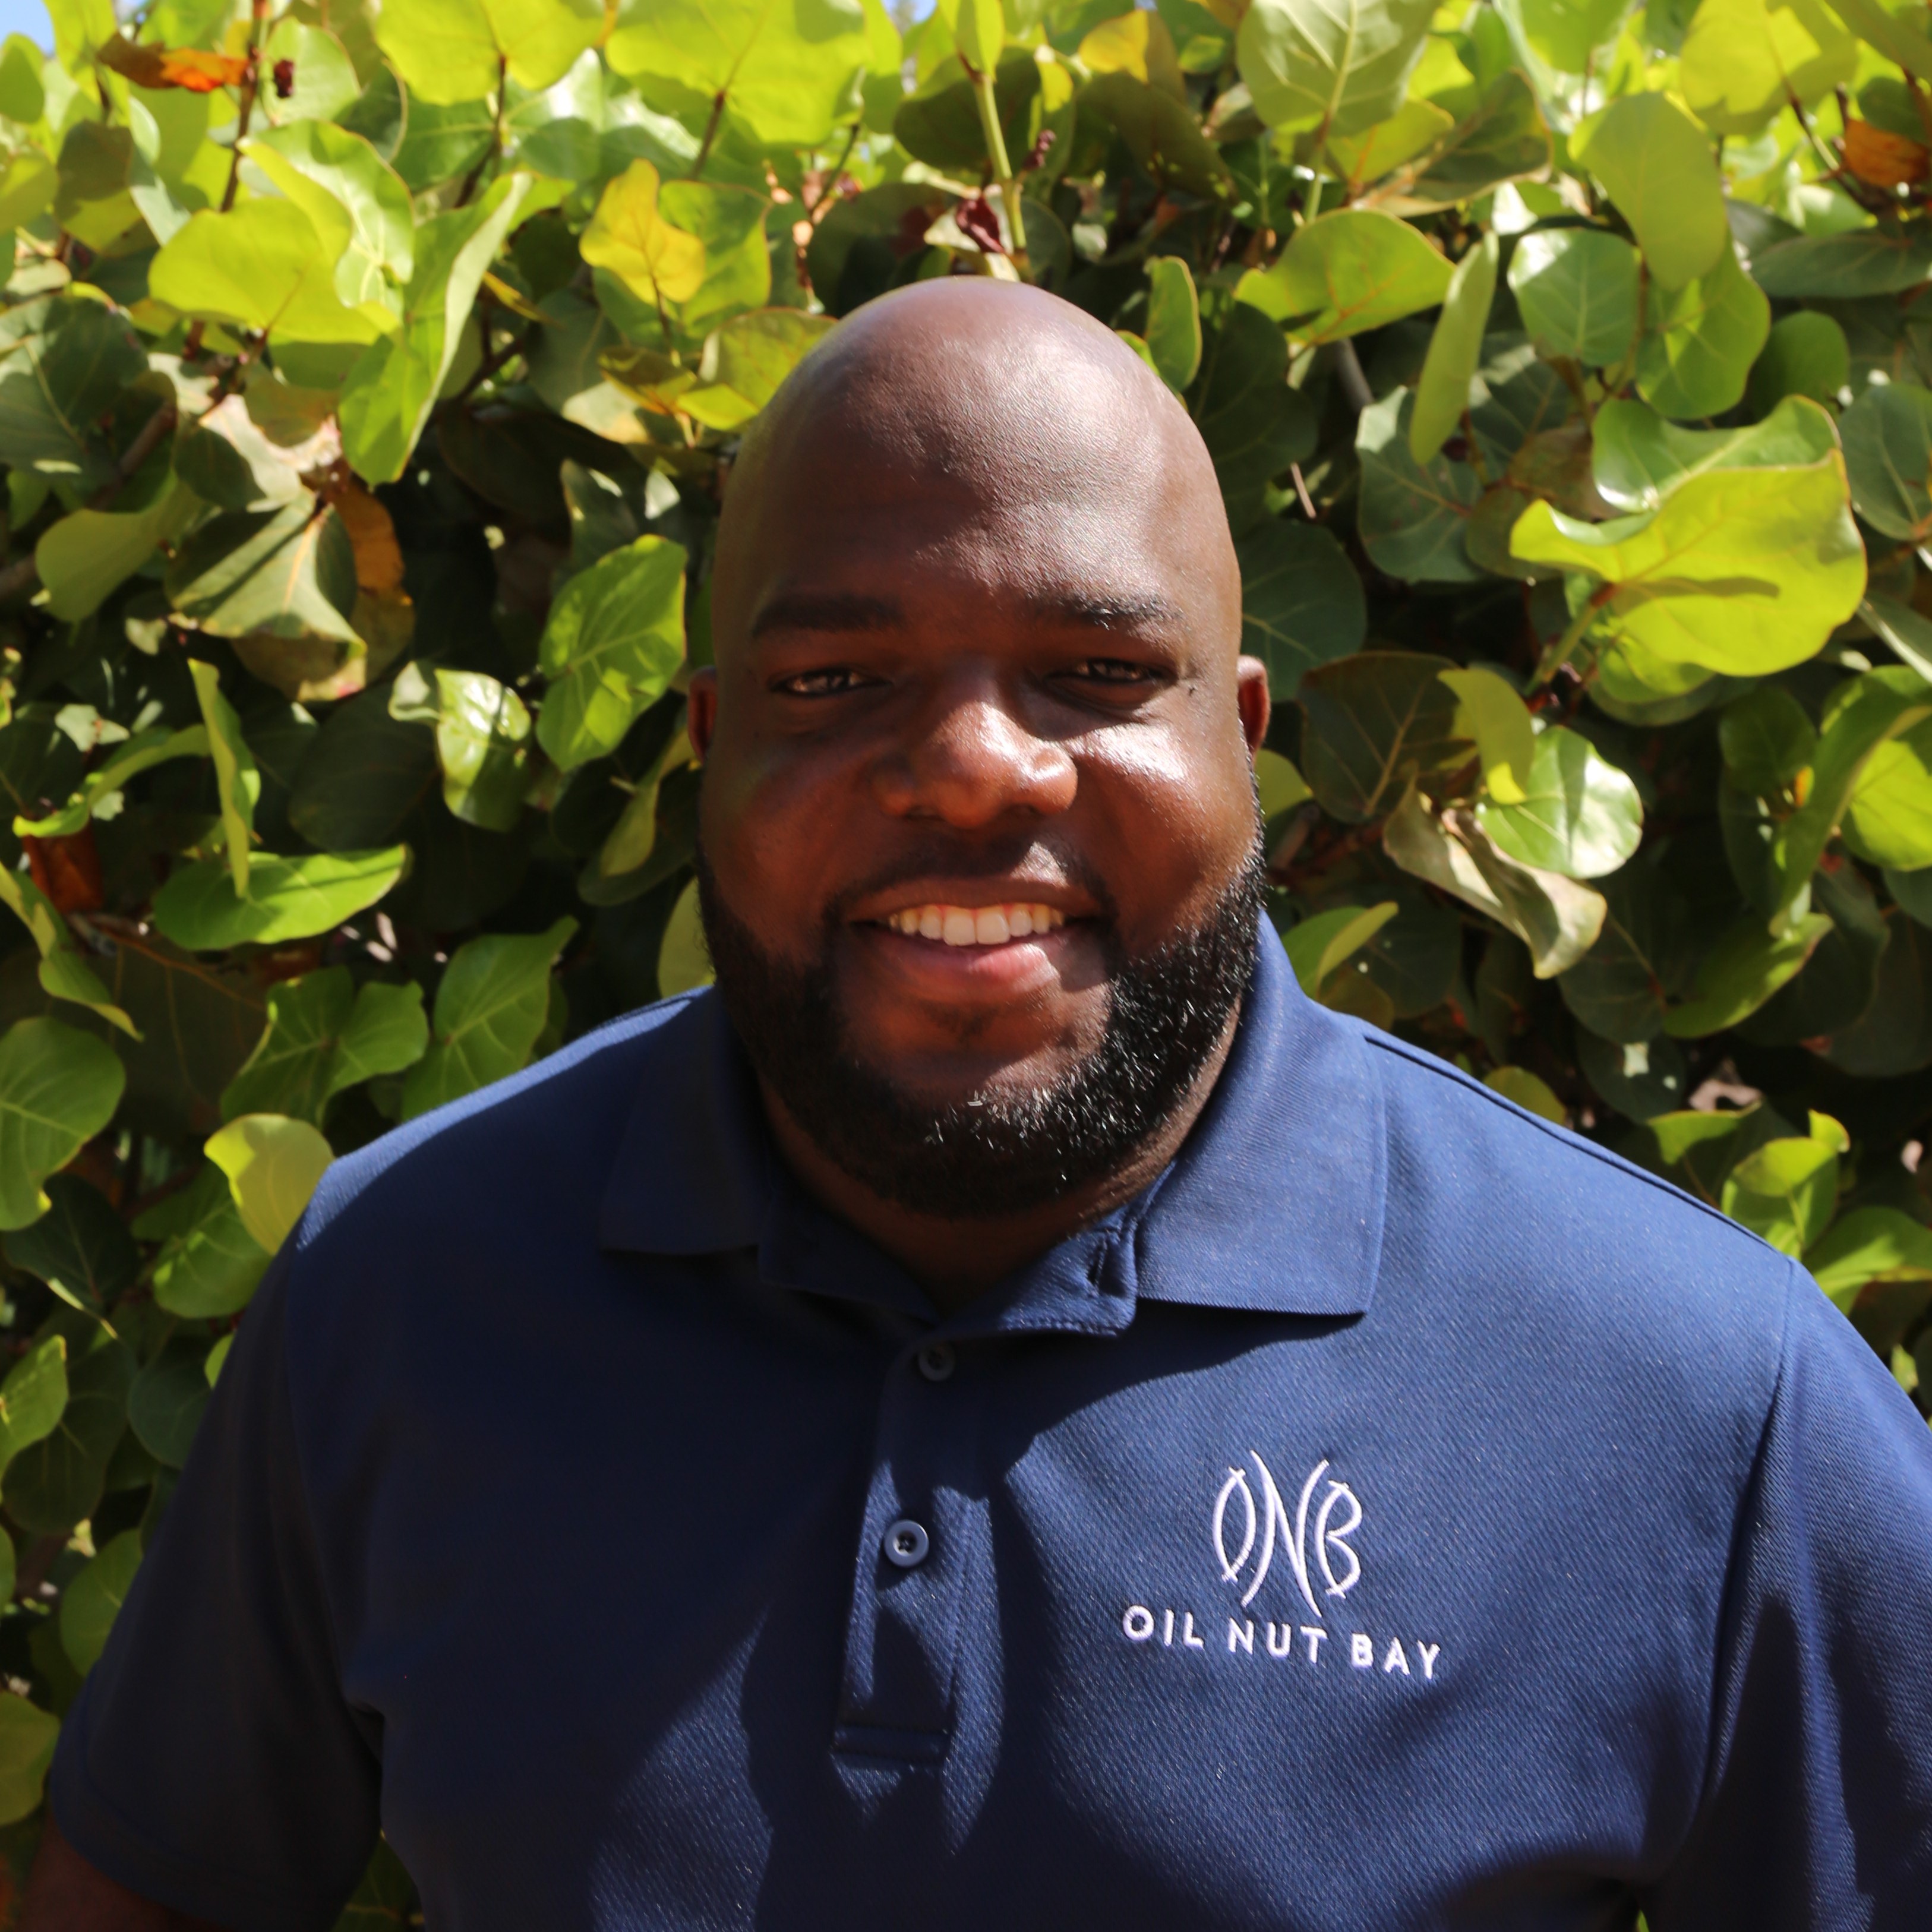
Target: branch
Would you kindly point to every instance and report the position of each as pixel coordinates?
(710, 134)
(495, 146)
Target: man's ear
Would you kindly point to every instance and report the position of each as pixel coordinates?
(1251, 693)
(701, 717)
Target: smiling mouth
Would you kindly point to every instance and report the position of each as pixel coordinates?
(974, 925)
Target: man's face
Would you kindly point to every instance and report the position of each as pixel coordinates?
(977, 745)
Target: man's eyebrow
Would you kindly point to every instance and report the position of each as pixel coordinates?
(807, 611)
(1108, 613)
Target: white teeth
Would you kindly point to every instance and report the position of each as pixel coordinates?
(975, 926)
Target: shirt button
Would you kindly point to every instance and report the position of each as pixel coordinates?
(937, 1360)
(906, 1544)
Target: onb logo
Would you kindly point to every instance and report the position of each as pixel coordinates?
(1238, 1517)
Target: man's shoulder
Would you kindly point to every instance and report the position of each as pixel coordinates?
(1552, 1234)
(541, 1139)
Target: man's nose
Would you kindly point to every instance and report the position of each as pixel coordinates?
(971, 762)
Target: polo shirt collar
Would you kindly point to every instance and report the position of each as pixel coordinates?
(1274, 1203)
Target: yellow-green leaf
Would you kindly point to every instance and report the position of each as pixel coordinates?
(273, 1164)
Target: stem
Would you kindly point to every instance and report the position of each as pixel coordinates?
(1558, 656)
(1313, 205)
(996, 150)
(1355, 384)
(496, 147)
(828, 193)
(251, 82)
(710, 134)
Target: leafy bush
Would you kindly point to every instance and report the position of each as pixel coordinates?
(367, 384)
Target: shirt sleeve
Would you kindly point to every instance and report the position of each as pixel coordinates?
(1817, 1813)
(211, 1762)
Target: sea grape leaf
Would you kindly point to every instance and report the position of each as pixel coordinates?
(1566, 33)
(684, 961)
(167, 1398)
(237, 784)
(289, 898)
(1784, 1192)
(88, 1604)
(289, 1072)
(1373, 721)
(1747, 964)
(614, 638)
(273, 1164)
(1656, 166)
(1254, 425)
(490, 1009)
(745, 362)
(1741, 571)
(1317, 945)
(1639, 457)
(288, 572)
(1582, 816)
(59, 382)
(388, 1032)
(1348, 271)
(1766, 739)
(783, 66)
(1174, 313)
(85, 558)
(1163, 135)
(1806, 354)
(448, 51)
(80, 1247)
(56, 1482)
(1302, 602)
(1620, 988)
(1412, 515)
(1577, 289)
(1339, 67)
(1880, 261)
(59, 1088)
(1888, 436)
(1701, 340)
(1743, 62)
(1867, 1244)
(1505, 139)
(629, 236)
(1489, 711)
(209, 1265)
(1455, 351)
(33, 1397)
(374, 211)
(28, 1734)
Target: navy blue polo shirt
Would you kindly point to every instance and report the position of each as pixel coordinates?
(1401, 1515)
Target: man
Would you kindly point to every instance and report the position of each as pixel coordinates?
(1007, 1414)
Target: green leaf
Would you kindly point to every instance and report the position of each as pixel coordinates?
(1880, 261)
(80, 1247)
(362, 777)
(1747, 965)
(289, 1072)
(1278, 785)
(263, 266)
(322, 84)
(27, 183)
(1641, 1081)
(1619, 989)
(1577, 289)
(784, 66)
(482, 741)
(1302, 603)
(33, 1397)
(1455, 351)
(1656, 166)
(1908, 635)
(614, 639)
(448, 51)
(289, 898)
(209, 1265)
(285, 572)
(633, 837)
(1320, 943)
(1338, 68)
(1557, 919)
(1867, 1244)
(490, 1009)
(1766, 739)
(1872, 711)
(1412, 516)
(237, 782)
(1505, 139)
(1640, 457)
(22, 97)
(356, 201)
(56, 1483)
(1741, 571)
(1254, 425)
(1161, 133)
(1744, 62)
(1566, 33)
(1174, 321)
(59, 1088)
(1374, 721)
(85, 558)
(1888, 819)
(1701, 339)
(273, 1164)
(28, 1735)
(140, 753)
(387, 1033)
(1529, 1092)
(980, 28)
(1805, 355)
(628, 235)
(1887, 434)
(1343, 273)
(1581, 817)
(165, 1403)
(939, 122)
(1784, 1191)
(89, 1604)
(392, 388)
(684, 960)
(745, 361)
(58, 384)
(1489, 712)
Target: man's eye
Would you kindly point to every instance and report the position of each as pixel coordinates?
(833, 681)
(1113, 670)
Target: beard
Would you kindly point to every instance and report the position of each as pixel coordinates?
(999, 1151)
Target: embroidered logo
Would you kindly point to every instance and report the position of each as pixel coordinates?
(1337, 1516)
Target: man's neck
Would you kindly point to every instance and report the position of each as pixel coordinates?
(956, 1262)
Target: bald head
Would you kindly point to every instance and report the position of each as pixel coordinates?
(997, 404)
